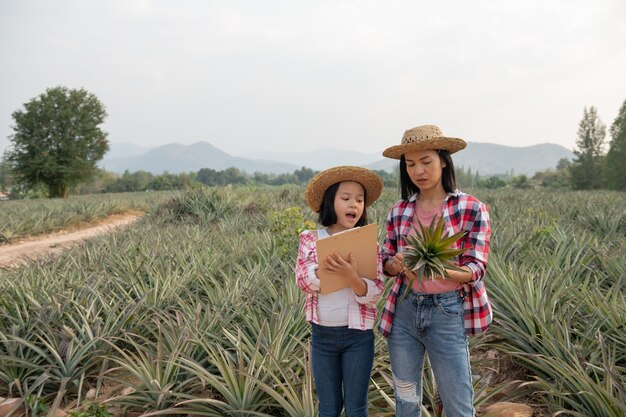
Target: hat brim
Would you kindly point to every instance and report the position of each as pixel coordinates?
(318, 185)
(451, 145)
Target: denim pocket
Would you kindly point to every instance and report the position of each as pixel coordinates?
(451, 307)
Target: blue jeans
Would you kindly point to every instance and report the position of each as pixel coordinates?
(433, 324)
(342, 360)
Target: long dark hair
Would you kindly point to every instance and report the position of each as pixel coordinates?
(328, 216)
(448, 179)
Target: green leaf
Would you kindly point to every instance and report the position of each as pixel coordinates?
(429, 249)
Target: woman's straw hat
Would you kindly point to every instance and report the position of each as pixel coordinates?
(318, 185)
(424, 137)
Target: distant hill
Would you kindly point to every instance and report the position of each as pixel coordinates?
(175, 159)
(492, 159)
(317, 159)
(121, 150)
(484, 158)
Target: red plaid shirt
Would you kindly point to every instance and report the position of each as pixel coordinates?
(361, 310)
(461, 212)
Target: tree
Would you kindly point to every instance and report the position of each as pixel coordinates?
(304, 175)
(563, 164)
(615, 167)
(167, 181)
(57, 140)
(464, 179)
(586, 170)
(232, 176)
(491, 183)
(208, 176)
(99, 183)
(5, 174)
(137, 181)
(521, 181)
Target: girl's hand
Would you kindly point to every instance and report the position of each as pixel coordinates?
(337, 265)
(347, 270)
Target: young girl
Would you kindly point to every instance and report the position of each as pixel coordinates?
(342, 337)
(437, 315)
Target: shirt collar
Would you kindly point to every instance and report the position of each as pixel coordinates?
(454, 193)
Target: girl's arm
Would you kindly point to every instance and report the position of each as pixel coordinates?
(375, 287)
(306, 265)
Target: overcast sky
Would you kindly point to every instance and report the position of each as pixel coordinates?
(293, 75)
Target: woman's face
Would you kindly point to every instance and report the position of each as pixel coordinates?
(349, 204)
(425, 169)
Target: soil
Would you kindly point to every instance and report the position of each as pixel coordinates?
(28, 249)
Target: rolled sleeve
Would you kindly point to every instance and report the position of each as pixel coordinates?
(477, 243)
(307, 263)
(371, 295)
(375, 287)
(313, 280)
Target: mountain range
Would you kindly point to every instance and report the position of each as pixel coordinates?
(175, 159)
(484, 158)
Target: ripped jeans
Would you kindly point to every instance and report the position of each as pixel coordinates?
(433, 324)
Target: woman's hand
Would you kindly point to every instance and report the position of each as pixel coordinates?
(348, 270)
(395, 265)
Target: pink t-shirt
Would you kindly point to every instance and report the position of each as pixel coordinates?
(430, 286)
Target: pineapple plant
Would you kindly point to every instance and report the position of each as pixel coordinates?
(429, 252)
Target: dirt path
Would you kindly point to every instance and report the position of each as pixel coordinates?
(21, 253)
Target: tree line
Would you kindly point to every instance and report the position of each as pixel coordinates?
(108, 182)
(57, 142)
(594, 167)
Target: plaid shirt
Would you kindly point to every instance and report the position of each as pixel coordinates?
(361, 310)
(461, 212)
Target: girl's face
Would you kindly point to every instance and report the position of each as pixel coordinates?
(349, 204)
(425, 169)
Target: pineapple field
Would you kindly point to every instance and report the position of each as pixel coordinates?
(194, 309)
(24, 218)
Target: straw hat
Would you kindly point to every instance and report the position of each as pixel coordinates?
(318, 185)
(424, 137)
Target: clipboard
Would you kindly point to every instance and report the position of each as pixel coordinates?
(361, 241)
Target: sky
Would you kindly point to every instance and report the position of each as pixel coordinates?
(299, 75)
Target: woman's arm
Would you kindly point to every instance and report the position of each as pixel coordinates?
(391, 266)
(474, 260)
(460, 276)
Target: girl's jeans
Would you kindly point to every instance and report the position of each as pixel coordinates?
(342, 356)
(433, 324)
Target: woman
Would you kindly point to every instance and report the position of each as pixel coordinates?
(437, 315)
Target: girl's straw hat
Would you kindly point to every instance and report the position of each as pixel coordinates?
(424, 137)
(318, 185)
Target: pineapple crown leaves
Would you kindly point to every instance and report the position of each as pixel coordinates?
(429, 251)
